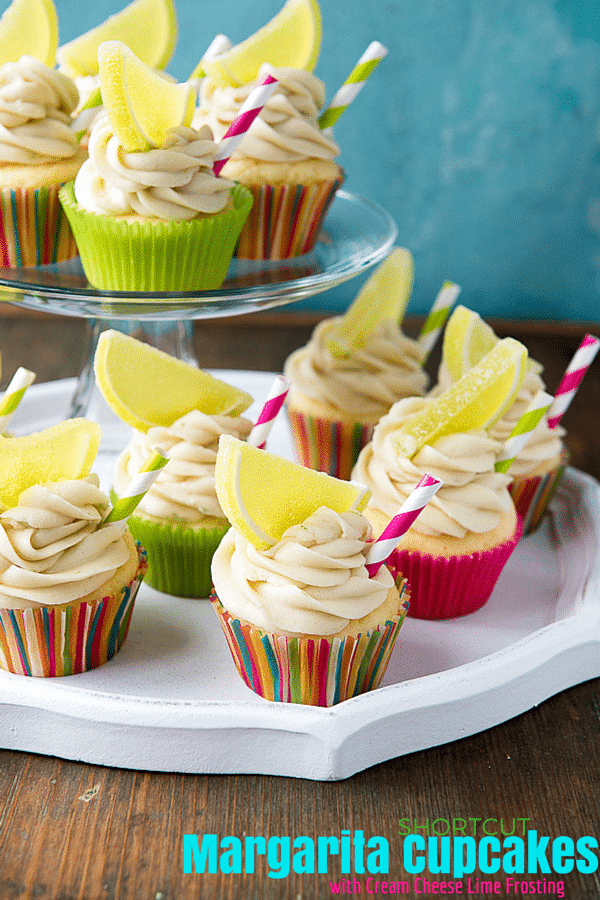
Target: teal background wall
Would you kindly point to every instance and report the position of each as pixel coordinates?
(479, 132)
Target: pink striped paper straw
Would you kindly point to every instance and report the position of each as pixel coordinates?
(242, 122)
(572, 378)
(414, 504)
(273, 403)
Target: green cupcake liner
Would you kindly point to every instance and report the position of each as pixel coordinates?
(152, 255)
(179, 556)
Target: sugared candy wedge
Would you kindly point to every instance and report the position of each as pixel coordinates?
(63, 451)
(384, 296)
(29, 28)
(142, 104)
(145, 386)
(263, 495)
(467, 339)
(476, 400)
(148, 27)
(291, 38)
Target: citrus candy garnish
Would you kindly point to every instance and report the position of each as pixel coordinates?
(148, 27)
(291, 38)
(63, 451)
(263, 495)
(142, 104)
(29, 28)
(145, 386)
(476, 400)
(467, 339)
(384, 296)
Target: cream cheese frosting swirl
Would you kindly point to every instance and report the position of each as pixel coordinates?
(51, 550)
(173, 182)
(366, 383)
(287, 130)
(473, 497)
(36, 104)
(313, 581)
(185, 489)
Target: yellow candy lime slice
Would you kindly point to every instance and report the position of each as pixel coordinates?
(145, 386)
(384, 296)
(148, 27)
(476, 400)
(66, 450)
(29, 28)
(291, 38)
(262, 495)
(142, 104)
(467, 339)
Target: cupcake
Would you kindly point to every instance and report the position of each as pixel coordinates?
(303, 620)
(336, 397)
(285, 160)
(38, 153)
(67, 586)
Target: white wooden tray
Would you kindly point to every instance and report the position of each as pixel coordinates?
(171, 700)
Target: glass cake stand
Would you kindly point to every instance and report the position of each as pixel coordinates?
(356, 235)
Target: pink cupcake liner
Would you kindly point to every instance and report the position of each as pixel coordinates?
(531, 496)
(66, 640)
(34, 229)
(443, 588)
(326, 445)
(285, 220)
(311, 671)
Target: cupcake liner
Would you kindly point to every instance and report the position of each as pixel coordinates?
(285, 219)
(179, 556)
(531, 496)
(65, 640)
(445, 588)
(312, 671)
(34, 229)
(152, 255)
(327, 445)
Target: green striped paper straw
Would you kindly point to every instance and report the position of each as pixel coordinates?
(523, 430)
(436, 319)
(13, 395)
(139, 487)
(353, 84)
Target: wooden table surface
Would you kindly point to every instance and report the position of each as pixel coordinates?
(72, 831)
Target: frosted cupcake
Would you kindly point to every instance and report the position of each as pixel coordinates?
(38, 153)
(285, 160)
(67, 586)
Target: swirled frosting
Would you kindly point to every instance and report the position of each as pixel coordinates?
(544, 444)
(366, 383)
(313, 581)
(473, 498)
(185, 489)
(173, 182)
(35, 113)
(287, 129)
(51, 551)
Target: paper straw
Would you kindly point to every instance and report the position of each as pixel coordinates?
(353, 84)
(242, 122)
(436, 319)
(414, 504)
(273, 403)
(572, 378)
(140, 485)
(523, 430)
(13, 395)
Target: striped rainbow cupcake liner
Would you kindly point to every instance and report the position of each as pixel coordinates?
(285, 220)
(531, 496)
(312, 671)
(326, 445)
(66, 640)
(34, 229)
